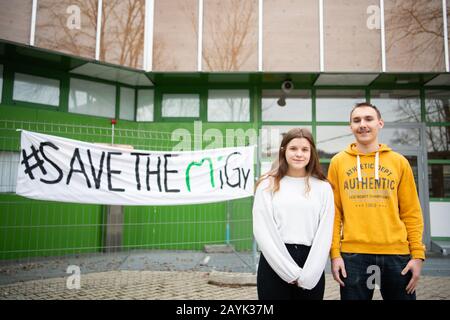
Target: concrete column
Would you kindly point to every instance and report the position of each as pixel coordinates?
(113, 229)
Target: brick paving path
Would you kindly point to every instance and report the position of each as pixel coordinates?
(173, 285)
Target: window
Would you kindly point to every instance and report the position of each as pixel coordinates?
(325, 167)
(297, 108)
(437, 114)
(92, 98)
(332, 139)
(437, 106)
(126, 104)
(397, 105)
(336, 105)
(228, 105)
(438, 142)
(271, 137)
(9, 162)
(145, 105)
(180, 106)
(439, 180)
(35, 89)
(400, 137)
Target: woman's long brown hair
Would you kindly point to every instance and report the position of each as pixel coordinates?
(313, 168)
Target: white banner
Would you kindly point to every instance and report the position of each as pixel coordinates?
(60, 169)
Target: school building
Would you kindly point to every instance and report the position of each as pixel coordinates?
(179, 74)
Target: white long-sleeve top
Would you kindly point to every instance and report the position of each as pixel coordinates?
(290, 216)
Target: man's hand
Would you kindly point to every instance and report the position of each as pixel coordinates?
(337, 266)
(415, 266)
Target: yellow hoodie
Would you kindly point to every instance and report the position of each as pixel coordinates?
(377, 211)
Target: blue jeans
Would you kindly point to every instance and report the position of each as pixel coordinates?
(365, 272)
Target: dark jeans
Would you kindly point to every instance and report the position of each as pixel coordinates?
(271, 287)
(365, 272)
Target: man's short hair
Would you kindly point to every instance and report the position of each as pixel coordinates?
(365, 104)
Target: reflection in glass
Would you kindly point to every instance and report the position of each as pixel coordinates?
(180, 105)
(336, 105)
(230, 35)
(400, 138)
(36, 89)
(175, 35)
(122, 32)
(397, 105)
(437, 105)
(145, 105)
(126, 104)
(298, 106)
(271, 137)
(332, 139)
(67, 26)
(325, 167)
(92, 98)
(352, 35)
(291, 30)
(439, 180)
(413, 163)
(9, 163)
(228, 105)
(266, 166)
(414, 35)
(15, 20)
(438, 142)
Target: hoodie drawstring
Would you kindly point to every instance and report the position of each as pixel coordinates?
(377, 160)
(358, 166)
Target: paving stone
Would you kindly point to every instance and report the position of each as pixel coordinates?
(175, 285)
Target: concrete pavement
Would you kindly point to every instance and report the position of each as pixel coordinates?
(173, 285)
(167, 275)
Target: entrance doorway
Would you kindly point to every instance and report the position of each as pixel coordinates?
(409, 140)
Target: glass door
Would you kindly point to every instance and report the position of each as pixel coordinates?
(409, 140)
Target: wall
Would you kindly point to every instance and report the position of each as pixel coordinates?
(230, 34)
(38, 228)
(440, 220)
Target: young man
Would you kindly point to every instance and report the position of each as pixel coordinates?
(377, 238)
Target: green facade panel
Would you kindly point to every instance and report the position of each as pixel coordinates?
(32, 228)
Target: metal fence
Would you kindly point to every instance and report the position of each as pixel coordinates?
(42, 232)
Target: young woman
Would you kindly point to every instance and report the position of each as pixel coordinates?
(293, 213)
